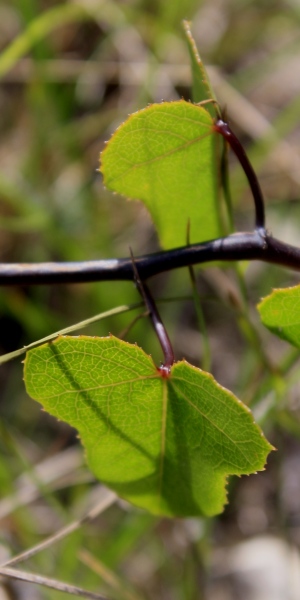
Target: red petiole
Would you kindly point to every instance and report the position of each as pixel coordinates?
(223, 128)
(157, 323)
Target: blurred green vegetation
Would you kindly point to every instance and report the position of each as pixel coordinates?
(71, 72)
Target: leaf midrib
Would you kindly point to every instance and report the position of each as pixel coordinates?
(98, 387)
(160, 157)
(163, 435)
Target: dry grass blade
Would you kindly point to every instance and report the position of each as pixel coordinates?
(107, 500)
(115, 582)
(108, 313)
(56, 471)
(50, 583)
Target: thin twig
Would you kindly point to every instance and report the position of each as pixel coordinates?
(122, 334)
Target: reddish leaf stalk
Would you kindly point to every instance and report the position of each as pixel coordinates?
(223, 128)
(160, 330)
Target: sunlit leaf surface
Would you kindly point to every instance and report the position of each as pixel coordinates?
(164, 155)
(280, 312)
(166, 445)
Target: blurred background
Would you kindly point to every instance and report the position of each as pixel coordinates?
(71, 72)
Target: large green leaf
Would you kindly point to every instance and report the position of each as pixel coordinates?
(280, 312)
(164, 155)
(165, 444)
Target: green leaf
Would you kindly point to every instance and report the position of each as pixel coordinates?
(164, 444)
(164, 155)
(201, 89)
(280, 312)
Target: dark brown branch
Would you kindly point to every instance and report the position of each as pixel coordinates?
(238, 246)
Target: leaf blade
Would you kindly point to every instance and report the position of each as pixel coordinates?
(164, 155)
(280, 312)
(160, 443)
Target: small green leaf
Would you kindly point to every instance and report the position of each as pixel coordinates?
(201, 90)
(164, 155)
(280, 312)
(166, 445)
